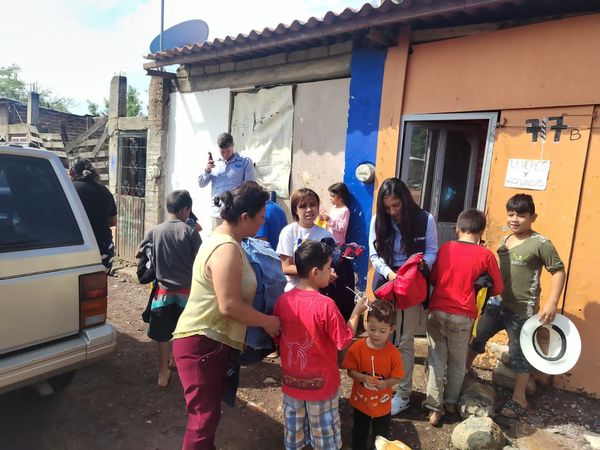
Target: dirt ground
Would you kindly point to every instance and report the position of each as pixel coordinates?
(115, 404)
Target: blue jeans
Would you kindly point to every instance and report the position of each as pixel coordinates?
(496, 318)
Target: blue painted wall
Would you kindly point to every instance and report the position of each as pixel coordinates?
(361, 145)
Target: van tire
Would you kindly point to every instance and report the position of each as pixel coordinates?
(60, 382)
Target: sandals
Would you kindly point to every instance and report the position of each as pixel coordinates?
(513, 410)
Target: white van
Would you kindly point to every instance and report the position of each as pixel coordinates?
(53, 290)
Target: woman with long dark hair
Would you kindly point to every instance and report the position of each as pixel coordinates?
(400, 229)
(99, 206)
(219, 308)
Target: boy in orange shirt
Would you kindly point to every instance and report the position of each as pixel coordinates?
(375, 365)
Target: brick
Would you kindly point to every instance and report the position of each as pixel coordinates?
(243, 65)
(227, 67)
(278, 58)
(318, 52)
(297, 56)
(340, 48)
(259, 62)
(197, 70)
(213, 68)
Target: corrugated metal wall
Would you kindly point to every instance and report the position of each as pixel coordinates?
(130, 227)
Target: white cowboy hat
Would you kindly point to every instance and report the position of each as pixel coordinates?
(564, 345)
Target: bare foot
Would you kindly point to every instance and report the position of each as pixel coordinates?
(164, 378)
(435, 417)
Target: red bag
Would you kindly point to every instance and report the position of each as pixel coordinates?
(409, 288)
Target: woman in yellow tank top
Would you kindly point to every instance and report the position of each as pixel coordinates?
(218, 311)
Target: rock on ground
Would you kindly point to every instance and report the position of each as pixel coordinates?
(504, 376)
(500, 351)
(478, 400)
(477, 433)
(593, 439)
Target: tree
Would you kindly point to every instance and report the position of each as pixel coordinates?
(93, 109)
(11, 86)
(48, 100)
(134, 104)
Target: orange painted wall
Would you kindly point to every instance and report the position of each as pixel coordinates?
(582, 304)
(391, 110)
(389, 118)
(546, 64)
(557, 205)
(525, 72)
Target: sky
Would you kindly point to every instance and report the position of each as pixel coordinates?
(74, 47)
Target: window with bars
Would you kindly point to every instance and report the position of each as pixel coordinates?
(132, 173)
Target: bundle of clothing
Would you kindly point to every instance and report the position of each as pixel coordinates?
(270, 282)
(411, 285)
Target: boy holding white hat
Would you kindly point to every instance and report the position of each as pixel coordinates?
(522, 255)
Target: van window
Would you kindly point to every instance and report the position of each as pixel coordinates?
(34, 211)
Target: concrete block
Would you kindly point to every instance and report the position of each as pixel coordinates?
(196, 71)
(278, 58)
(213, 68)
(297, 56)
(117, 100)
(227, 67)
(259, 62)
(340, 48)
(318, 52)
(243, 65)
(33, 108)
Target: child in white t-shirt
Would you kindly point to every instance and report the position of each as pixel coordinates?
(305, 209)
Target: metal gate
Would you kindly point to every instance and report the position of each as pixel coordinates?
(131, 192)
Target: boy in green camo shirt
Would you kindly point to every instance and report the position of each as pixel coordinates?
(522, 255)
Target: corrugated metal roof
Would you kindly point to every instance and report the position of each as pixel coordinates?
(351, 23)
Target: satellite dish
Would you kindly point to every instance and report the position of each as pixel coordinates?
(184, 33)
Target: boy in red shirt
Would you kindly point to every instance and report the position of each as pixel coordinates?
(452, 310)
(375, 365)
(312, 332)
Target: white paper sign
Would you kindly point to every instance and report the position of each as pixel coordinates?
(527, 174)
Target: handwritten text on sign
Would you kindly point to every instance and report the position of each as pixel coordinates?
(527, 174)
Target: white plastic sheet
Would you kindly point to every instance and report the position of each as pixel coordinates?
(261, 126)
